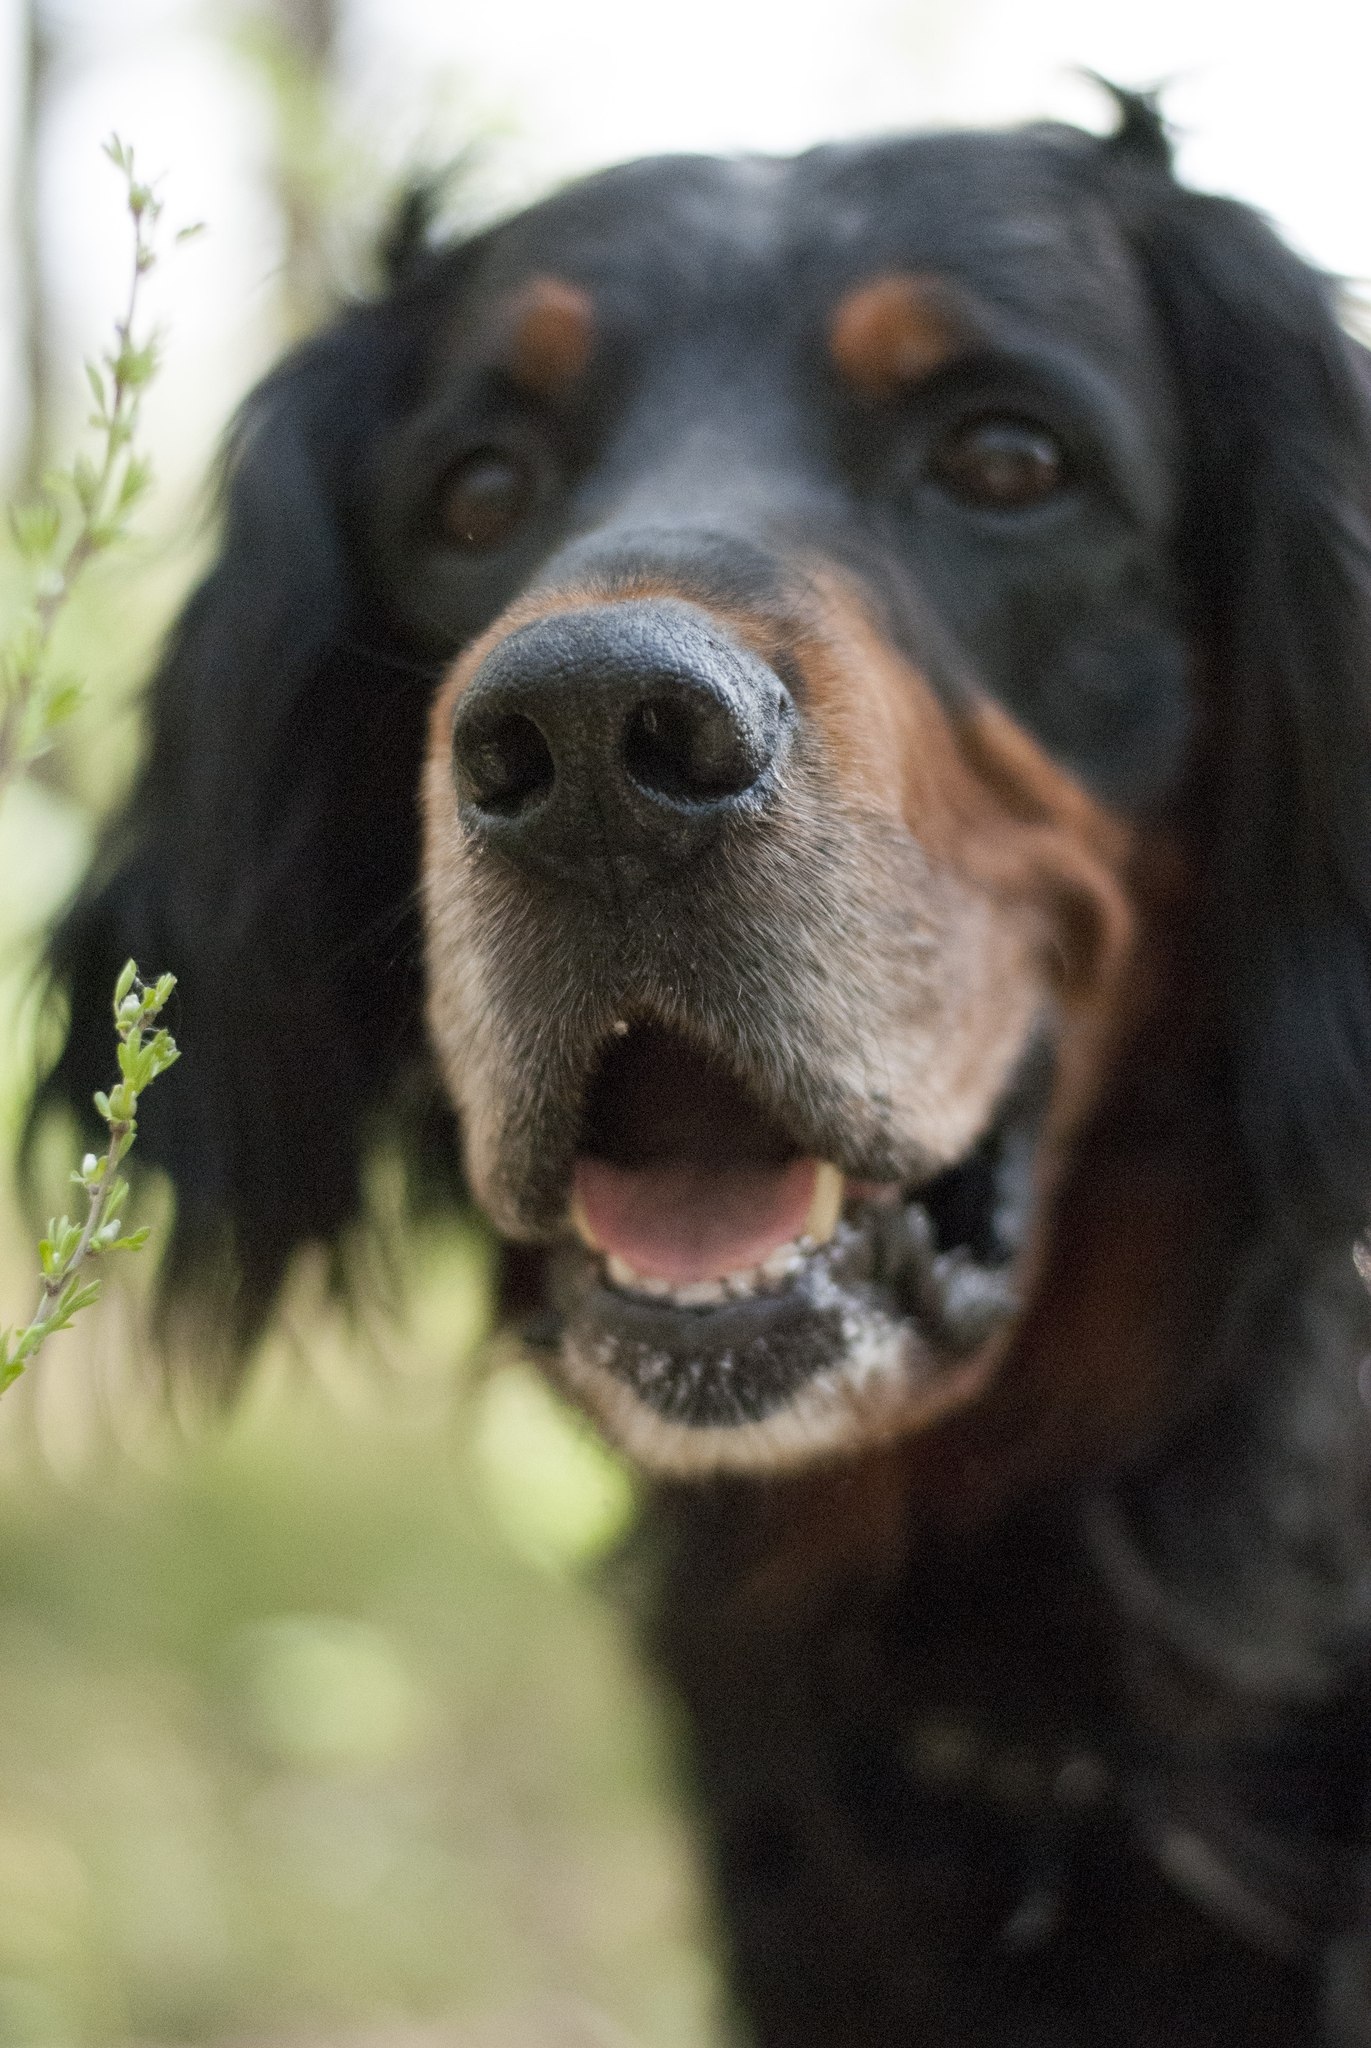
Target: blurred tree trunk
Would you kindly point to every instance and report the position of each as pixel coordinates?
(303, 77)
(35, 313)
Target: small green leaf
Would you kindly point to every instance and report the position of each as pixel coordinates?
(36, 528)
(25, 649)
(62, 696)
(85, 482)
(135, 1240)
(136, 480)
(165, 1054)
(134, 366)
(31, 1338)
(71, 1302)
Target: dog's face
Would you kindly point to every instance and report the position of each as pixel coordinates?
(808, 527)
(885, 640)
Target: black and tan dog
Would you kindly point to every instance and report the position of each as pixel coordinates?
(882, 645)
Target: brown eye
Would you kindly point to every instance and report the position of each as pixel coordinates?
(1000, 462)
(484, 497)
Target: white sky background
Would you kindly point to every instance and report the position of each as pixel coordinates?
(1272, 103)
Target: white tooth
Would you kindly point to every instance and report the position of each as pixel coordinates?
(699, 1294)
(580, 1223)
(826, 1204)
(780, 1264)
(741, 1285)
(628, 1281)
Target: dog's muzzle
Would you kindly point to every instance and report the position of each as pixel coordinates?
(725, 1036)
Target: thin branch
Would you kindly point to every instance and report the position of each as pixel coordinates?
(146, 1049)
(85, 509)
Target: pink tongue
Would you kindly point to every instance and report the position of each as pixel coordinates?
(682, 1223)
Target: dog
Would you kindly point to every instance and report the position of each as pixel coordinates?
(818, 712)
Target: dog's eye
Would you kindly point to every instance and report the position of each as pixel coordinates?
(1000, 462)
(484, 497)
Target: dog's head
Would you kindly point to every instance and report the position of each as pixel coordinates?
(880, 637)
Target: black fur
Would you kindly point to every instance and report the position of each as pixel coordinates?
(270, 850)
(900, 1844)
(1275, 548)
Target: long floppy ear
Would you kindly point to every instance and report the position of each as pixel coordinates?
(268, 854)
(1274, 546)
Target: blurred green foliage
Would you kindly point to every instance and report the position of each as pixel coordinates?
(293, 1736)
(315, 1725)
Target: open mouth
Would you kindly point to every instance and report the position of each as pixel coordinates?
(720, 1280)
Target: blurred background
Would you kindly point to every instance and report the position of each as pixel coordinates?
(321, 1721)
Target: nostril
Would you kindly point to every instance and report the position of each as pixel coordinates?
(617, 740)
(690, 750)
(505, 763)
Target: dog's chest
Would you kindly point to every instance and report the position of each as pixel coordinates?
(930, 1811)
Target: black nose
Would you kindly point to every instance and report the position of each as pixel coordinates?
(629, 734)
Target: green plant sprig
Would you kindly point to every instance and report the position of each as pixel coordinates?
(83, 509)
(146, 1049)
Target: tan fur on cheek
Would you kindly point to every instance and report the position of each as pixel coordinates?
(974, 791)
(1048, 866)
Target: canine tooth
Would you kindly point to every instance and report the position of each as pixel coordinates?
(826, 1204)
(699, 1294)
(580, 1223)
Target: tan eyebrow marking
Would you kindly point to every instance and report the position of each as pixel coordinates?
(552, 331)
(893, 331)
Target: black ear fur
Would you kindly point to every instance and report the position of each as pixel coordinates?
(268, 854)
(1142, 134)
(1274, 547)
